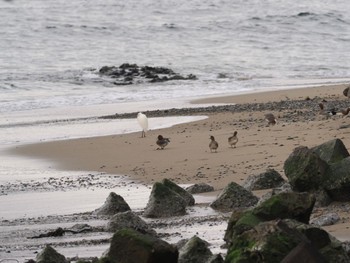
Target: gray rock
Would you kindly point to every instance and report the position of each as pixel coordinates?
(179, 190)
(199, 188)
(284, 188)
(337, 184)
(113, 204)
(234, 196)
(164, 202)
(267, 180)
(332, 151)
(195, 251)
(325, 220)
(216, 258)
(130, 246)
(50, 255)
(129, 219)
(305, 170)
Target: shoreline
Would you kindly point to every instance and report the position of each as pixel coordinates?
(188, 152)
(129, 162)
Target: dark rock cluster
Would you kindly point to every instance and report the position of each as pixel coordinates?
(127, 74)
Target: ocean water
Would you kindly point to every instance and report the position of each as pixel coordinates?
(51, 52)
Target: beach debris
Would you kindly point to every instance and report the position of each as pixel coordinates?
(266, 180)
(164, 202)
(129, 219)
(127, 74)
(232, 140)
(49, 254)
(128, 245)
(234, 196)
(162, 142)
(113, 204)
(213, 145)
(58, 232)
(143, 122)
(200, 188)
(195, 250)
(326, 219)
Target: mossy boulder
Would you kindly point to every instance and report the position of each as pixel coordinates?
(338, 183)
(179, 190)
(130, 246)
(113, 204)
(129, 219)
(50, 255)
(273, 241)
(305, 170)
(234, 196)
(195, 251)
(292, 205)
(332, 151)
(200, 188)
(164, 202)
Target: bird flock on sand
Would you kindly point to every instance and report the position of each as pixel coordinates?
(162, 142)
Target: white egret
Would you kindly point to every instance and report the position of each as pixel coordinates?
(143, 121)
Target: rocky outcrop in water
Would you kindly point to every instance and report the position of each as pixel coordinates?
(199, 188)
(269, 179)
(234, 196)
(128, 245)
(50, 255)
(164, 202)
(113, 204)
(196, 250)
(127, 74)
(129, 220)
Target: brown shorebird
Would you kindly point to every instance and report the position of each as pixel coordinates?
(232, 141)
(344, 112)
(270, 118)
(346, 92)
(325, 112)
(213, 145)
(162, 142)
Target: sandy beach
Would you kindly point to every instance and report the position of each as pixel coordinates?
(188, 160)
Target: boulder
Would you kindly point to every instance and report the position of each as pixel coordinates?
(179, 190)
(113, 204)
(292, 205)
(195, 251)
(267, 180)
(305, 251)
(284, 188)
(338, 182)
(305, 170)
(332, 151)
(130, 246)
(129, 219)
(164, 202)
(199, 188)
(326, 220)
(234, 196)
(50, 255)
(273, 241)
